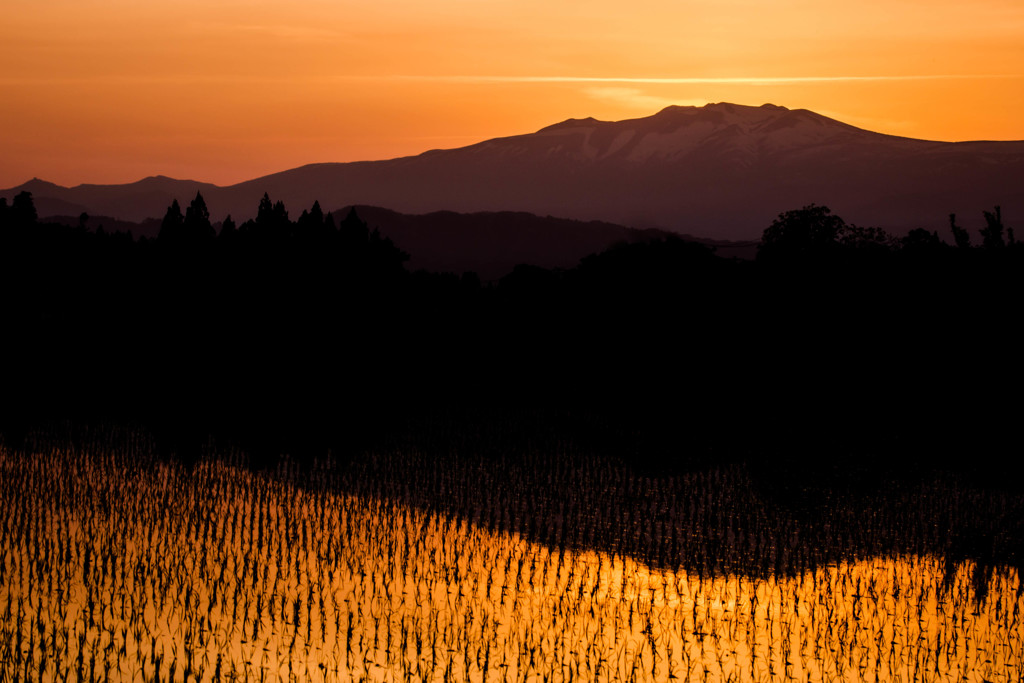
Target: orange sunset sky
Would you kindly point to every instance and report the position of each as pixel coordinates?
(110, 91)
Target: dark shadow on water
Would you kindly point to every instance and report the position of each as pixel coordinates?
(709, 518)
(828, 401)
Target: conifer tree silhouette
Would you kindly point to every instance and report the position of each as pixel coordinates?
(310, 226)
(265, 211)
(170, 227)
(228, 229)
(196, 224)
(353, 229)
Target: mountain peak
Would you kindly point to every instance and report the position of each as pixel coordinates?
(760, 122)
(35, 186)
(723, 170)
(727, 107)
(571, 123)
(714, 116)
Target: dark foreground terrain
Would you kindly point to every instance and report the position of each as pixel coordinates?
(274, 450)
(296, 336)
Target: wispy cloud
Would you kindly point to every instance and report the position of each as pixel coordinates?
(623, 81)
(700, 80)
(635, 97)
(280, 31)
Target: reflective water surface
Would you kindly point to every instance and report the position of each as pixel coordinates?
(217, 573)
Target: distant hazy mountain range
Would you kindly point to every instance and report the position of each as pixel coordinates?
(488, 243)
(721, 171)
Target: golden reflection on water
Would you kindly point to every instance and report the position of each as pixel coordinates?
(218, 573)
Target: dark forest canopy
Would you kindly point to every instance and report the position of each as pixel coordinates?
(303, 333)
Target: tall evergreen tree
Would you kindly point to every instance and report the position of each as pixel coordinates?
(197, 221)
(170, 227)
(228, 229)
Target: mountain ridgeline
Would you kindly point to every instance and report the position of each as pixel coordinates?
(305, 334)
(722, 171)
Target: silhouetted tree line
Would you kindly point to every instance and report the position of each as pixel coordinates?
(310, 333)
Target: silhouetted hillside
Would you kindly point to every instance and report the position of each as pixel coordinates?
(148, 228)
(488, 244)
(720, 171)
(492, 244)
(302, 333)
